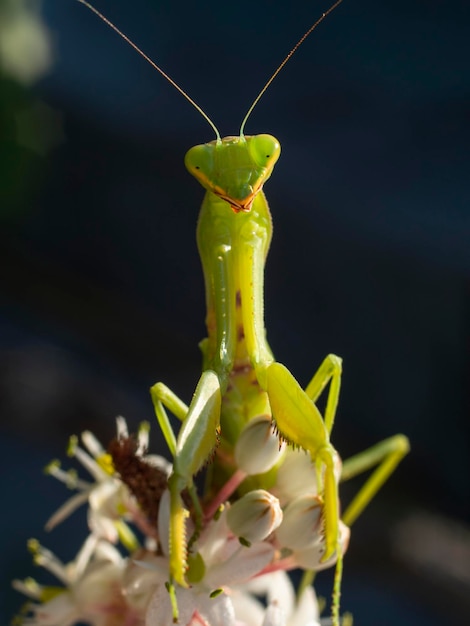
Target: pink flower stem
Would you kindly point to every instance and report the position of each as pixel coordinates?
(224, 494)
(283, 564)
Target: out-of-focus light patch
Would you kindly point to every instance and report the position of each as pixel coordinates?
(437, 546)
(39, 128)
(25, 49)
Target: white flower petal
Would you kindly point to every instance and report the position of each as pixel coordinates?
(102, 526)
(67, 509)
(48, 560)
(143, 438)
(155, 460)
(243, 565)
(159, 609)
(295, 477)
(276, 587)
(302, 523)
(306, 612)
(163, 522)
(141, 578)
(76, 568)
(275, 616)
(248, 610)
(88, 463)
(311, 558)
(280, 591)
(121, 427)
(69, 478)
(258, 449)
(217, 611)
(60, 611)
(214, 545)
(100, 584)
(29, 588)
(104, 551)
(92, 444)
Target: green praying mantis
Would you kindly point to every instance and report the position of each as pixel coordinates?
(241, 379)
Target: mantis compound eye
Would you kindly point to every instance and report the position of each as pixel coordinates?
(199, 161)
(264, 150)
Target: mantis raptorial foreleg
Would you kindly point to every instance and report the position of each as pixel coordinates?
(299, 422)
(195, 442)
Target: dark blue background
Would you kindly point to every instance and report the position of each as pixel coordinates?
(101, 289)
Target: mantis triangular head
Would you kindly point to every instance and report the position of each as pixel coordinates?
(234, 168)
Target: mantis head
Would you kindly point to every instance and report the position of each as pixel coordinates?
(234, 168)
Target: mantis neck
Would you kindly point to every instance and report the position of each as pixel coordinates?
(233, 248)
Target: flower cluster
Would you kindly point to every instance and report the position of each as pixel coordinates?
(238, 553)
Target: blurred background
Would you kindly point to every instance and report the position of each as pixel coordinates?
(101, 292)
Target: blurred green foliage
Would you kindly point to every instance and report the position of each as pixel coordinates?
(26, 126)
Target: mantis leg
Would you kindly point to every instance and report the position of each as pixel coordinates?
(386, 454)
(163, 397)
(328, 372)
(299, 422)
(196, 440)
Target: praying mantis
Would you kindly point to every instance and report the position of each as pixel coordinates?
(240, 379)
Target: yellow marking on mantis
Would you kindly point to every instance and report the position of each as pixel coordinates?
(240, 377)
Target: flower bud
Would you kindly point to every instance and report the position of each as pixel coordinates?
(311, 558)
(301, 525)
(254, 516)
(297, 475)
(258, 449)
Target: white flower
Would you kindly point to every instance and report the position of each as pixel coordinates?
(310, 556)
(297, 476)
(283, 608)
(109, 498)
(258, 448)
(254, 516)
(91, 591)
(221, 564)
(237, 555)
(302, 528)
(301, 522)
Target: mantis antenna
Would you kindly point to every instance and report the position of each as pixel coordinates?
(287, 58)
(155, 66)
(187, 96)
